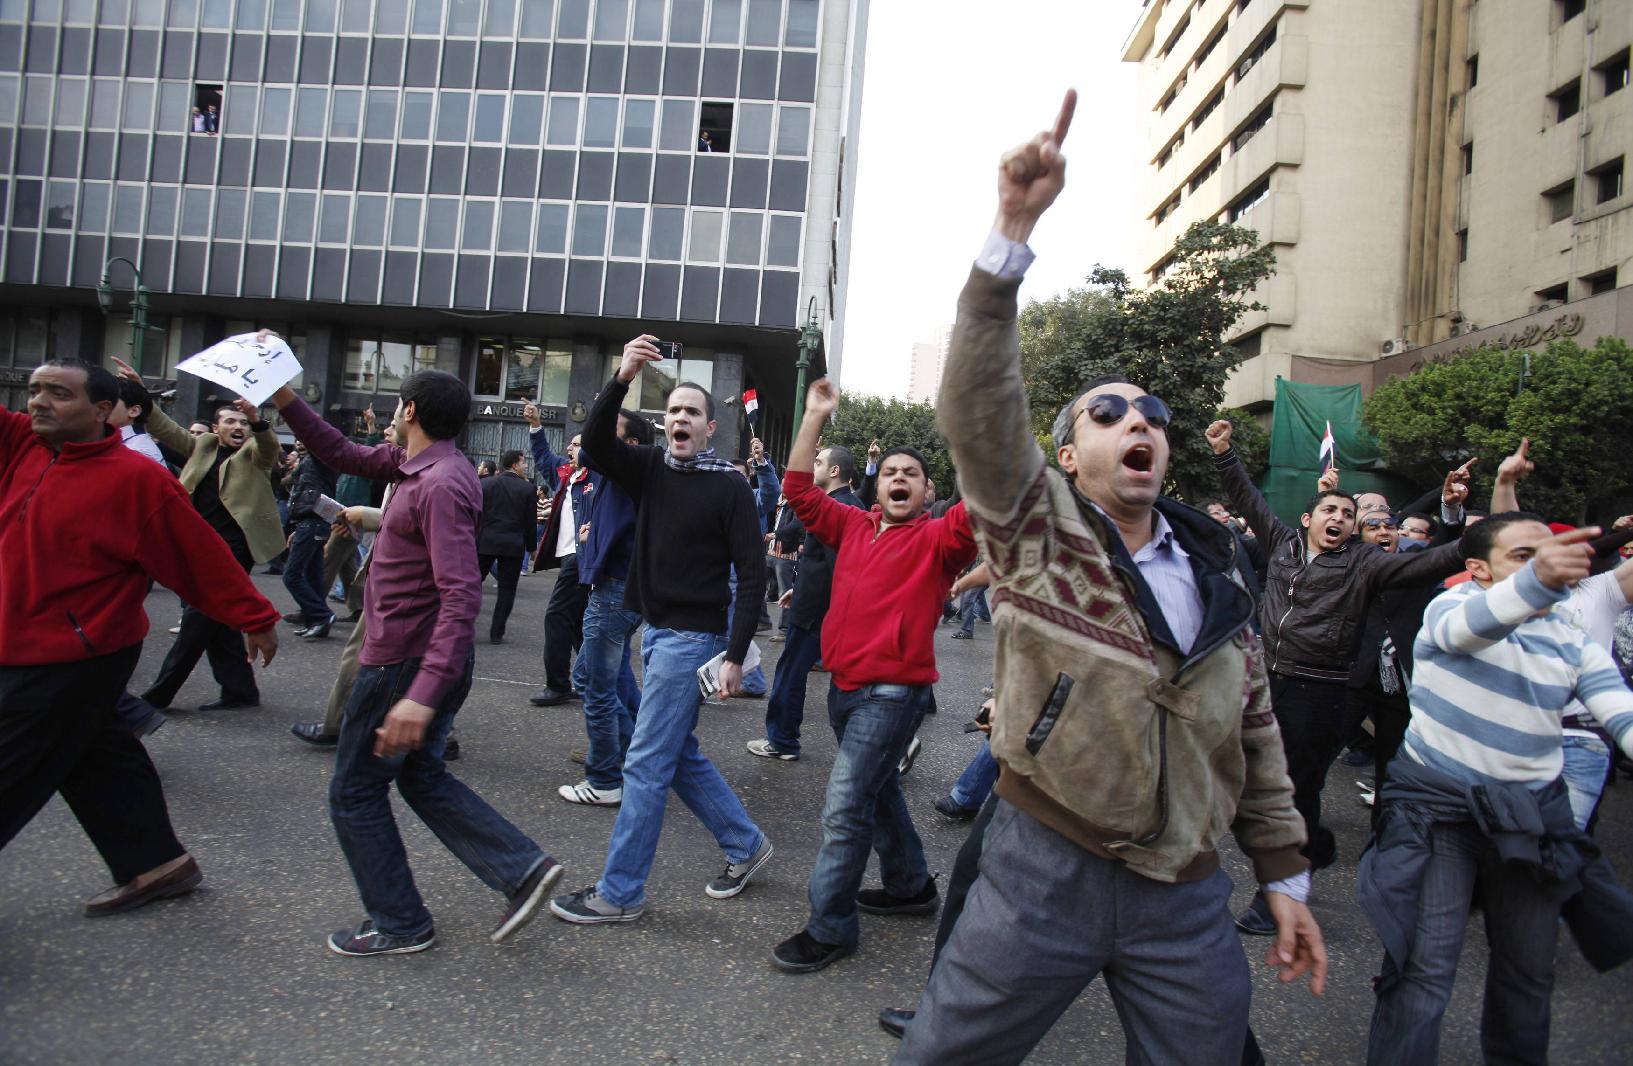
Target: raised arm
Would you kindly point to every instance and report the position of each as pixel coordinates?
(982, 408)
(331, 447)
(623, 462)
(823, 516)
(1510, 472)
(1245, 497)
(1602, 691)
(1475, 621)
(266, 441)
(545, 460)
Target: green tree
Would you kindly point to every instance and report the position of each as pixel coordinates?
(861, 420)
(1576, 405)
(1168, 339)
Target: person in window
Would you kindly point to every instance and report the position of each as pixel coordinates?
(212, 120)
(705, 143)
(198, 121)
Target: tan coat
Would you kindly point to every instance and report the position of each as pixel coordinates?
(246, 485)
(1089, 709)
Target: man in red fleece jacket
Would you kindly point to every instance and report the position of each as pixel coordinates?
(891, 576)
(72, 584)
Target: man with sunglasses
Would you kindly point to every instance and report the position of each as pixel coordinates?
(1320, 585)
(1131, 719)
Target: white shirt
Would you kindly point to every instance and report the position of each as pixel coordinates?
(142, 443)
(567, 535)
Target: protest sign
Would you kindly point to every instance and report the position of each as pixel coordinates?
(251, 367)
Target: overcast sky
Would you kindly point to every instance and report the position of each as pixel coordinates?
(949, 87)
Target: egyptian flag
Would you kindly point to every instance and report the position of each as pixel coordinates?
(1329, 452)
(751, 407)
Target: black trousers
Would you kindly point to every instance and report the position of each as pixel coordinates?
(223, 645)
(1390, 716)
(564, 625)
(1312, 716)
(967, 868)
(510, 571)
(58, 734)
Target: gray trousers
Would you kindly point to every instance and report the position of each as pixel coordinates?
(1045, 918)
(342, 690)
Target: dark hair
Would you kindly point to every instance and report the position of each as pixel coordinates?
(840, 456)
(134, 395)
(708, 398)
(509, 459)
(637, 426)
(1315, 501)
(223, 407)
(442, 403)
(910, 452)
(100, 385)
(739, 466)
(1210, 501)
(1480, 538)
(1063, 421)
(1419, 514)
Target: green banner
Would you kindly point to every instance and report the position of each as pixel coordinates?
(1301, 417)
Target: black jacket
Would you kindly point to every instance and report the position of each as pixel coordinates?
(1312, 610)
(813, 582)
(1528, 827)
(509, 513)
(310, 480)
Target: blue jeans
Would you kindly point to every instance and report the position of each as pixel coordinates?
(1522, 925)
(1587, 763)
(786, 709)
(360, 805)
(864, 809)
(664, 753)
(973, 785)
(303, 573)
(971, 604)
(603, 677)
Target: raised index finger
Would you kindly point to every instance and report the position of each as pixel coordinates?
(1576, 536)
(1063, 121)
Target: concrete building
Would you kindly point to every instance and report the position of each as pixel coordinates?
(1423, 168)
(924, 373)
(506, 190)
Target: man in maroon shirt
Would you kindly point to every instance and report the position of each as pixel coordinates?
(420, 608)
(71, 623)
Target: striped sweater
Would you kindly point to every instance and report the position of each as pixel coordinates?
(1496, 669)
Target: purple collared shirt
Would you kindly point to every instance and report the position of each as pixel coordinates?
(423, 591)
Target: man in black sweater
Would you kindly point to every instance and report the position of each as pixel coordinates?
(694, 520)
(509, 502)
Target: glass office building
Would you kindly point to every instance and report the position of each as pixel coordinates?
(505, 189)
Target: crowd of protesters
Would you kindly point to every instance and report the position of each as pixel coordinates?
(1166, 675)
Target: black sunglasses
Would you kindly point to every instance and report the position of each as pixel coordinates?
(1378, 523)
(1109, 408)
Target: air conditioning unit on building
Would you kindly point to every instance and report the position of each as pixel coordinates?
(1463, 329)
(1393, 347)
(1547, 305)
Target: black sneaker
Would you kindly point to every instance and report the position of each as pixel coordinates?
(736, 875)
(914, 746)
(894, 1020)
(803, 953)
(586, 907)
(525, 904)
(949, 809)
(878, 901)
(1256, 920)
(367, 940)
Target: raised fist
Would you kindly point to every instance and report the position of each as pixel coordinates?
(1218, 436)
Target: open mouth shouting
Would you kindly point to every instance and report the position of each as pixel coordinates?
(1140, 460)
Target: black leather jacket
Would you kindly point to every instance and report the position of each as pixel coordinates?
(1313, 605)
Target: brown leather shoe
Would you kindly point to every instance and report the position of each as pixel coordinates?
(178, 882)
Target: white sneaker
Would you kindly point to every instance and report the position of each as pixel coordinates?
(914, 746)
(590, 796)
(767, 750)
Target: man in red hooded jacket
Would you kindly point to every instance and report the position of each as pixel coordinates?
(85, 524)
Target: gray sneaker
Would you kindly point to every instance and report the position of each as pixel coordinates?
(767, 750)
(586, 907)
(736, 874)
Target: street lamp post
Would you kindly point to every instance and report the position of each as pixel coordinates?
(810, 339)
(138, 306)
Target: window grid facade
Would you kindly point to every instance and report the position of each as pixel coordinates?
(482, 156)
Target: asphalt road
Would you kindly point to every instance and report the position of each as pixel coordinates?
(238, 972)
